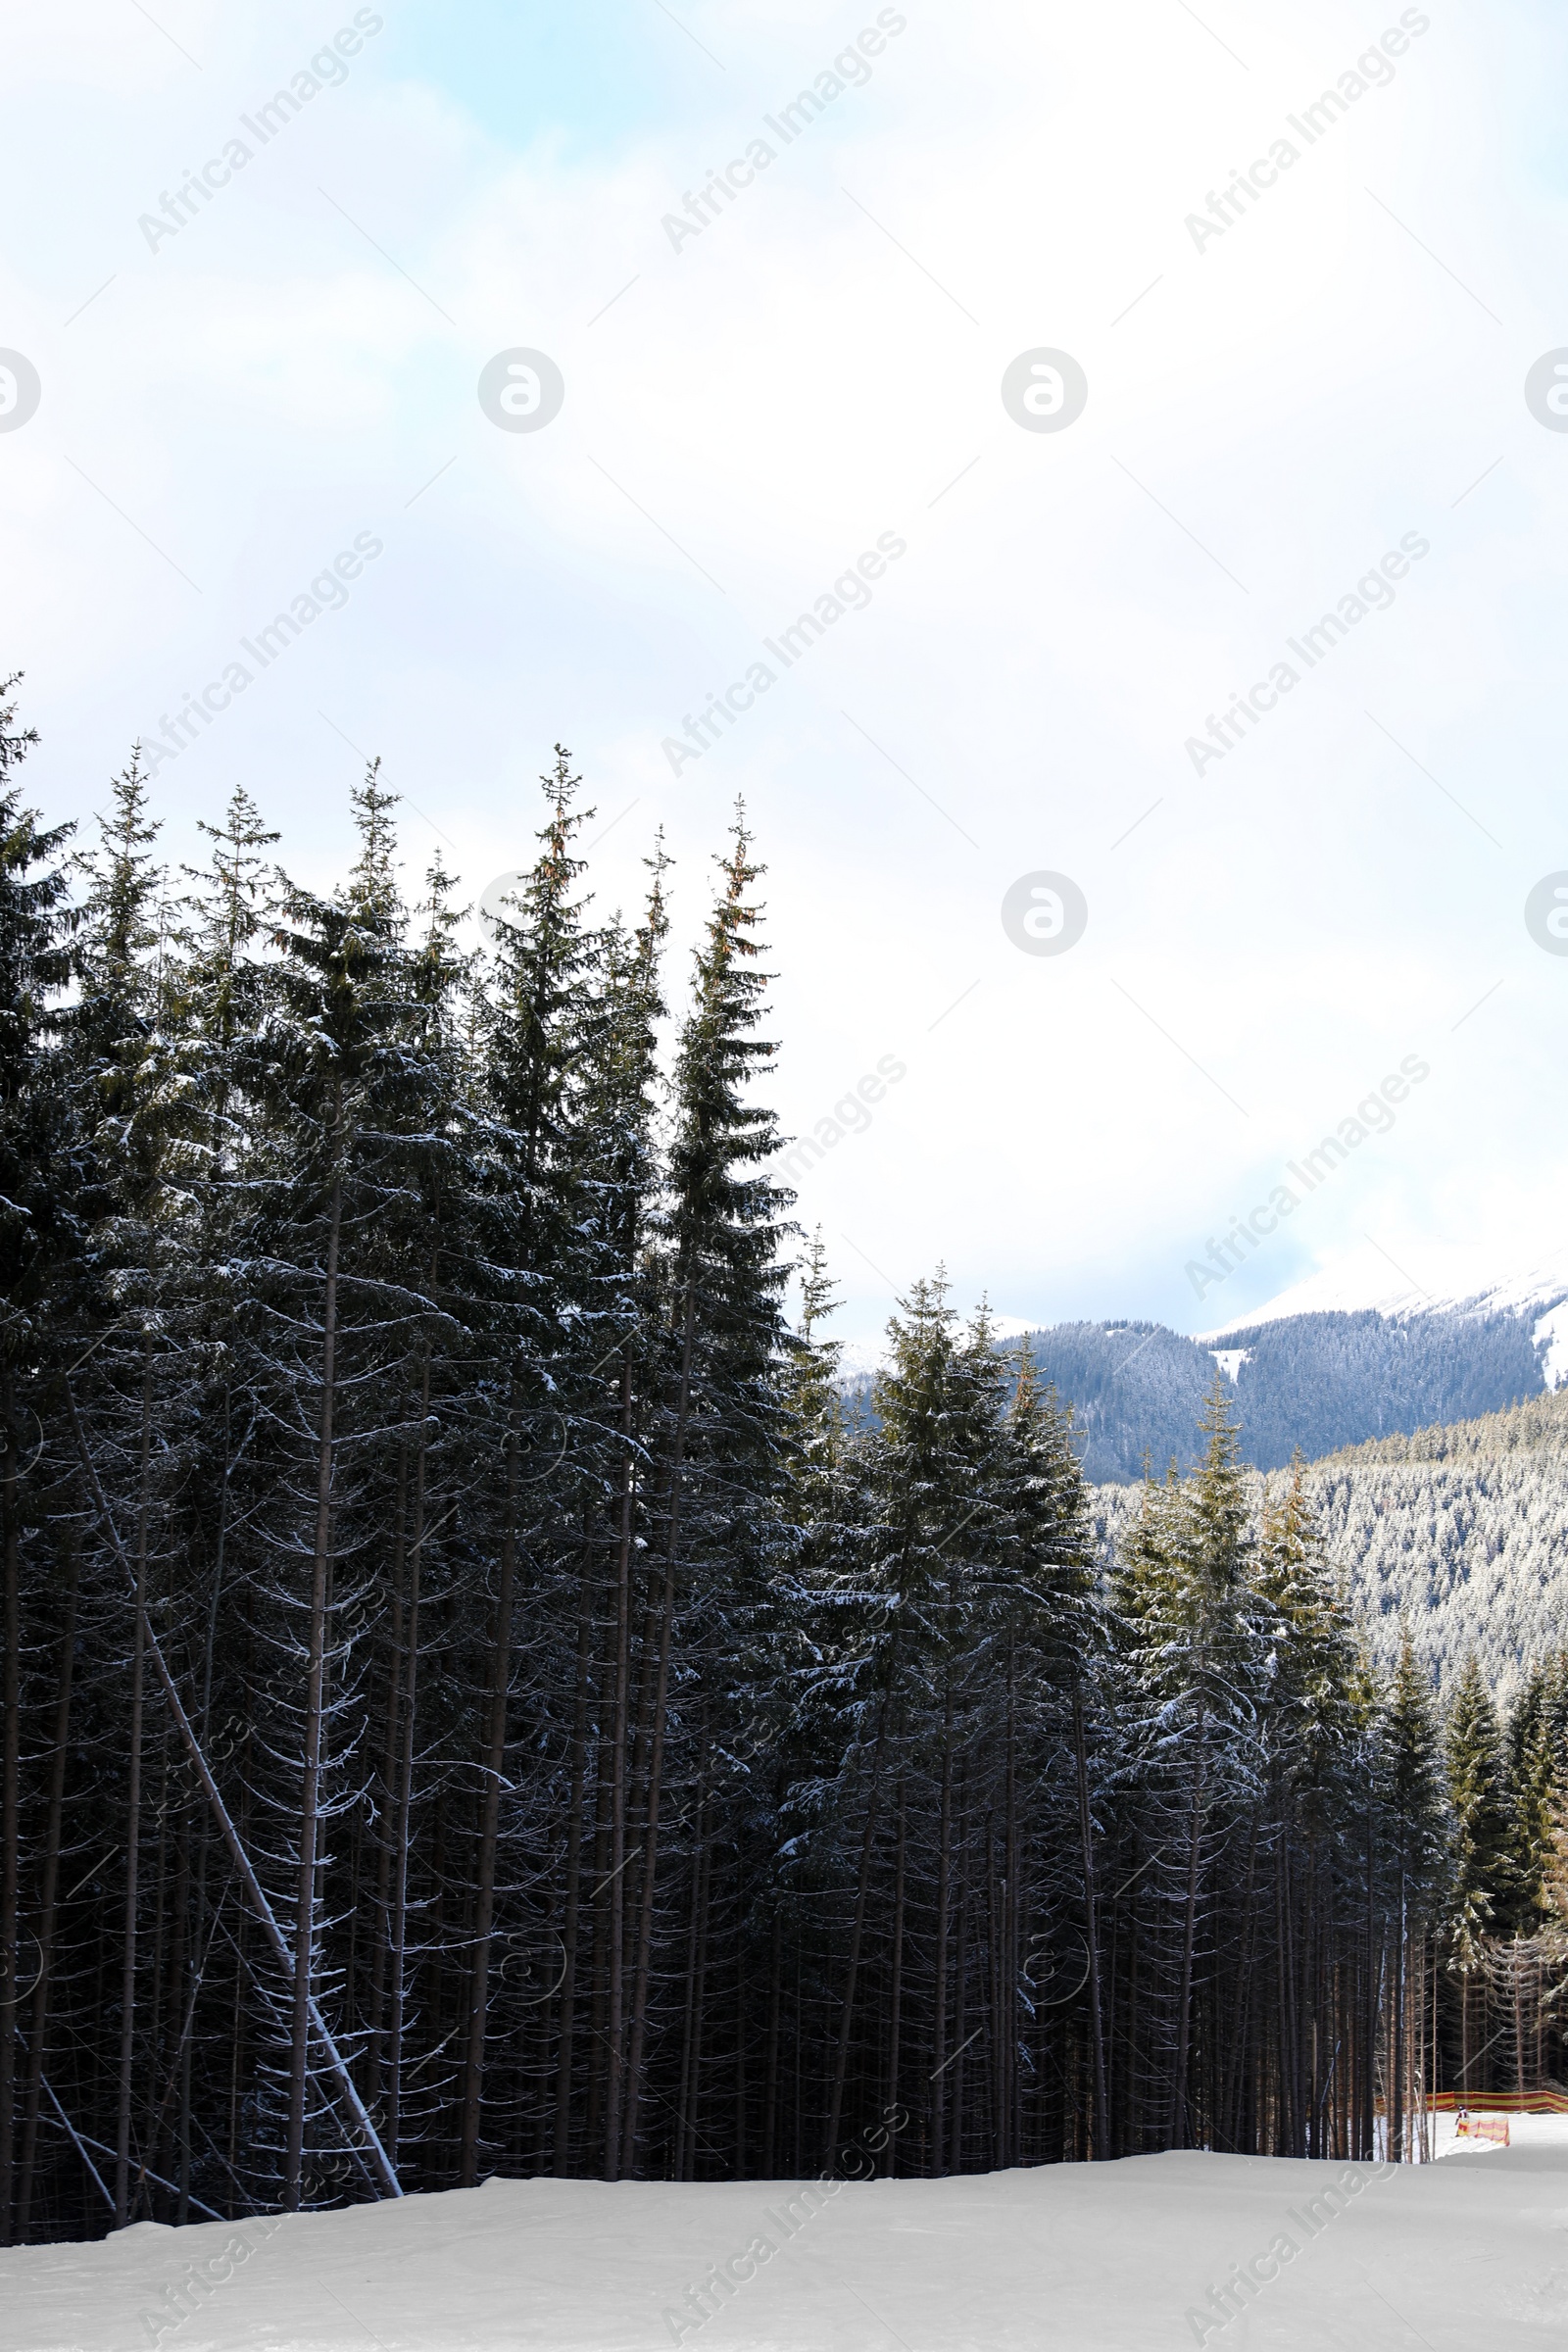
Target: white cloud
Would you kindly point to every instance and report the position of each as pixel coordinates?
(757, 407)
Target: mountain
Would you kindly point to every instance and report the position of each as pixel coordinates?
(1322, 1366)
(1459, 1534)
(1454, 1283)
(1136, 1390)
(1318, 1380)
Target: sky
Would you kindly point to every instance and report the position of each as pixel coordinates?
(1062, 437)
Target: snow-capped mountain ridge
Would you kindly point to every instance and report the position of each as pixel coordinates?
(1363, 1348)
(1449, 1282)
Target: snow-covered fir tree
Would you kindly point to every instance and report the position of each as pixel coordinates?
(475, 1699)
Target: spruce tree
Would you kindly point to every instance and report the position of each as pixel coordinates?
(38, 1228)
(656, 1766)
(329, 1069)
(716, 1528)
(1198, 1664)
(618, 1169)
(1537, 1771)
(1412, 1800)
(1482, 1885)
(542, 1400)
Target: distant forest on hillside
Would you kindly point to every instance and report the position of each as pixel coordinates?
(1314, 1381)
(1454, 1537)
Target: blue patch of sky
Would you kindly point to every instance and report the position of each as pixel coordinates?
(595, 74)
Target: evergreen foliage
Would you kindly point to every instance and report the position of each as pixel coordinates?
(1457, 1536)
(475, 1701)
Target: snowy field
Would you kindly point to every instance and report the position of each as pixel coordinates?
(1535, 2131)
(1471, 2251)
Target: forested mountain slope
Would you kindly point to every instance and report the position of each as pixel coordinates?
(1315, 1381)
(1137, 1390)
(1459, 1532)
(1325, 1381)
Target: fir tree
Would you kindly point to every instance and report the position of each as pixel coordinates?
(330, 1070)
(37, 1228)
(716, 1528)
(659, 1767)
(1537, 1769)
(1199, 1667)
(1481, 1887)
(541, 1022)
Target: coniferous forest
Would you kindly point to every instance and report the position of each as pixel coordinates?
(476, 1700)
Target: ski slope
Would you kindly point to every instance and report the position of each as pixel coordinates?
(1109, 2258)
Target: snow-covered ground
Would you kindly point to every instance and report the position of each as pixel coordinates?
(1128, 2257)
(1536, 2132)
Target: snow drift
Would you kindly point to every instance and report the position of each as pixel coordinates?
(1150, 2252)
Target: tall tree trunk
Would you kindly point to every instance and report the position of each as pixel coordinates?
(939, 2030)
(857, 1933)
(402, 1834)
(10, 1820)
(656, 1761)
(575, 1830)
(895, 1997)
(1369, 2019)
(1086, 1835)
(1184, 1996)
(49, 1888)
(770, 2089)
(616, 1940)
(204, 1724)
(695, 1987)
(1398, 2032)
(960, 2040)
(127, 1979)
(495, 1760)
(392, 1716)
(315, 1668)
